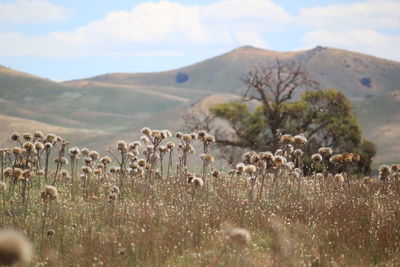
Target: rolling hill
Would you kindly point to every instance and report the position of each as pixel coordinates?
(115, 106)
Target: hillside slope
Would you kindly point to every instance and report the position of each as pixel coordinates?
(357, 74)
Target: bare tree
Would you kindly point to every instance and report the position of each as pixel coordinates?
(274, 84)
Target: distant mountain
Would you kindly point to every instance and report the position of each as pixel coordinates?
(114, 106)
(357, 74)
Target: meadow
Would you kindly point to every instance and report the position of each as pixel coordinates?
(143, 204)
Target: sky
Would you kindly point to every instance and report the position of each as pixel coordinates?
(72, 39)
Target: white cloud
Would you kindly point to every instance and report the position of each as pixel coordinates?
(31, 11)
(165, 24)
(371, 15)
(364, 41)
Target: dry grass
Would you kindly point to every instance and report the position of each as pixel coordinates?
(167, 221)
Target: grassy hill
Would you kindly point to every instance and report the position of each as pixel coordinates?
(357, 74)
(121, 103)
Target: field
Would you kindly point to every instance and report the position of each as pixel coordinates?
(142, 204)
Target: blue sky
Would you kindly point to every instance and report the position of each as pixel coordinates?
(65, 39)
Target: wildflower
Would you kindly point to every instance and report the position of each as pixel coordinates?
(170, 145)
(336, 159)
(51, 138)
(395, 168)
(51, 232)
(384, 170)
(48, 145)
(194, 136)
(187, 138)
(17, 150)
(49, 192)
(38, 135)
(3, 186)
(86, 169)
(316, 157)
(39, 146)
(17, 173)
(40, 172)
(14, 248)
(97, 171)
(61, 160)
(85, 151)
(254, 158)
(339, 178)
(279, 160)
(105, 160)
(94, 155)
(215, 173)
(347, 157)
(298, 153)
(115, 190)
(250, 169)
(74, 151)
(27, 136)
(325, 151)
(144, 139)
(142, 162)
(287, 138)
(179, 135)
(279, 152)
(26, 174)
(8, 172)
(122, 145)
(240, 167)
(207, 158)
(14, 136)
(166, 133)
(239, 236)
(64, 174)
(146, 131)
(209, 139)
(300, 139)
(197, 181)
(319, 176)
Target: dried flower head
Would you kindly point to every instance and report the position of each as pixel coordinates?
(142, 162)
(239, 236)
(49, 192)
(146, 131)
(105, 160)
(300, 139)
(86, 169)
(51, 138)
(39, 146)
(85, 151)
(38, 135)
(240, 167)
(279, 160)
(287, 138)
(197, 181)
(27, 136)
(325, 151)
(279, 152)
(250, 169)
(122, 145)
(14, 136)
(316, 157)
(94, 155)
(298, 153)
(336, 159)
(3, 186)
(14, 248)
(339, 178)
(207, 158)
(187, 138)
(384, 170)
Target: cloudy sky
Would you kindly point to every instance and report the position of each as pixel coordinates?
(64, 39)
